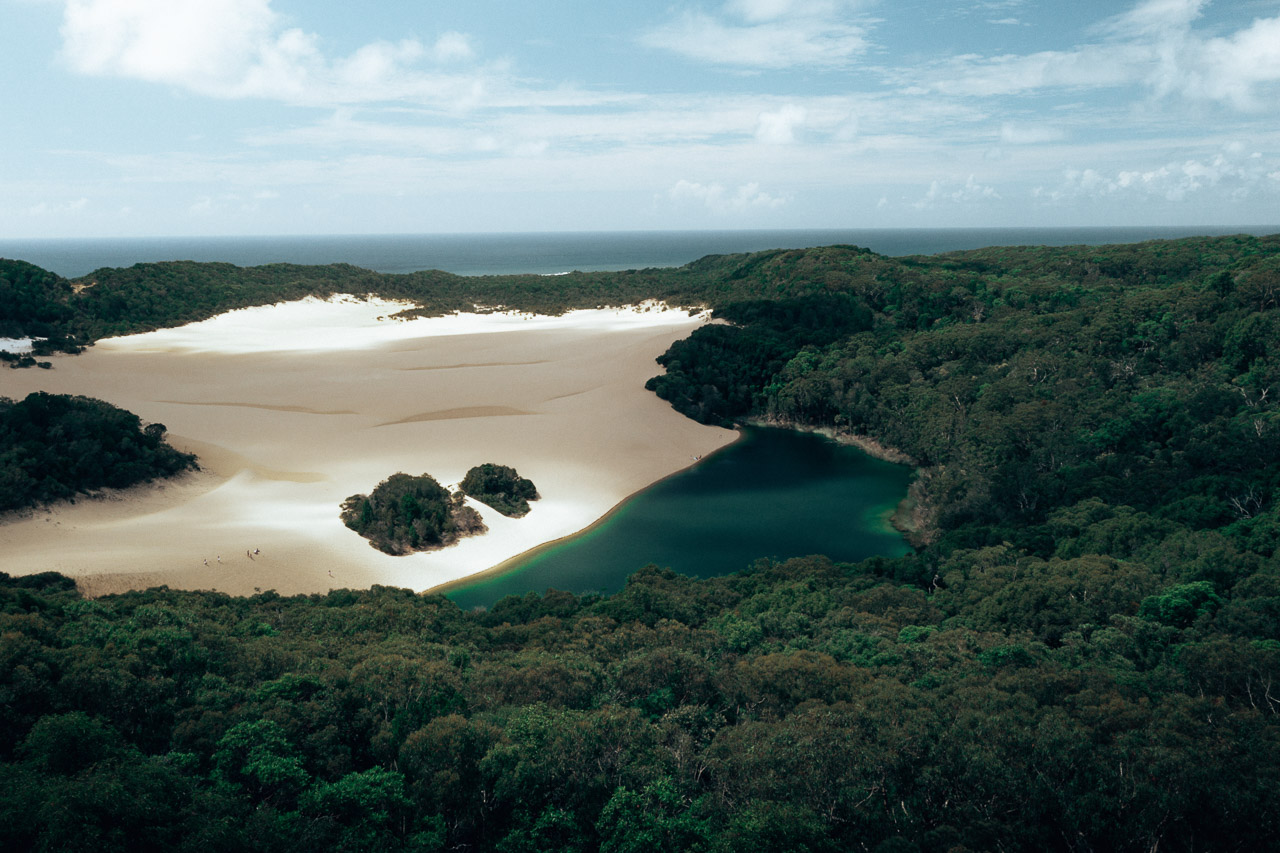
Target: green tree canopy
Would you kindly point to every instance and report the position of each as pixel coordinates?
(500, 487)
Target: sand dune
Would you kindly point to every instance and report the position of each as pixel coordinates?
(292, 408)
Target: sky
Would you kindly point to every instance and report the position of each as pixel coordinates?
(124, 118)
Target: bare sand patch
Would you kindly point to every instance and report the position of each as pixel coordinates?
(292, 408)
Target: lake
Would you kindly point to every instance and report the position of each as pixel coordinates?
(774, 493)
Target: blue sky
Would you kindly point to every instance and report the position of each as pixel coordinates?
(225, 117)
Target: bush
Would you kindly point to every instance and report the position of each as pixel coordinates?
(500, 487)
(406, 513)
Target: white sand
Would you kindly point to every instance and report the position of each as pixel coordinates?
(292, 408)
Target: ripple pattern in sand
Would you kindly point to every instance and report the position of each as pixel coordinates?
(299, 409)
(477, 364)
(463, 412)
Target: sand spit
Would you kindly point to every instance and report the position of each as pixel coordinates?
(294, 407)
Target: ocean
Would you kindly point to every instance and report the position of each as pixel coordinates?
(550, 253)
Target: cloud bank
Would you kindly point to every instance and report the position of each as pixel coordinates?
(242, 48)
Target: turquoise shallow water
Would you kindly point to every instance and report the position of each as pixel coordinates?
(774, 493)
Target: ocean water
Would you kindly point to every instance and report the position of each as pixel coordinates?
(548, 253)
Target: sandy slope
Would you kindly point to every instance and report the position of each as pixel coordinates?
(292, 408)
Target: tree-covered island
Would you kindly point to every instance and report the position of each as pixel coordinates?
(405, 513)
(500, 487)
(1082, 652)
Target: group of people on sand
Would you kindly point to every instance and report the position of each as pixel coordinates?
(248, 553)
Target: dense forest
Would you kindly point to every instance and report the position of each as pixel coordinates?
(501, 487)
(54, 447)
(1082, 652)
(405, 513)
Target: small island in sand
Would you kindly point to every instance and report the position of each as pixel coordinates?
(405, 514)
(501, 487)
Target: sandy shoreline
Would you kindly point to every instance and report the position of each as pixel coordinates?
(292, 408)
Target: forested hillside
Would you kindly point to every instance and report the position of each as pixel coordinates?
(1082, 653)
(55, 447)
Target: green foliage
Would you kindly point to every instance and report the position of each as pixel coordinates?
(255, 756)
(500, 487)
(406, 513)
(54, 447)
(657, 818)
(1181, 605)
(33, 301)
(386, 720)
(68, 743)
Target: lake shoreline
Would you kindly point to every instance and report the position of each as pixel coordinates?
(514, 563)
(913, 515)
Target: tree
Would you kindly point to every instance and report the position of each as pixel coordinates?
(500, 487)
(406, 513)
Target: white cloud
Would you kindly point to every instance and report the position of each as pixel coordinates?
(45, 208)
(766, 34)
(986, 6)
(672, 122)
(164, 41)
(241, 48)
(1232, 69)
(452, 47)
(758, 11)
(719, 200)
(967, 193)
(1160, 17)
(779, 127)
(1016, 133)
(1154, 45)
(1090, 66)
(1222, 173)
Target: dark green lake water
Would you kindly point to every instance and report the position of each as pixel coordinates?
(774, 493)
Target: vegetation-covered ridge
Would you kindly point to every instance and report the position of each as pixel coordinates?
(115, 301)
(501, 487)
(405, 513)
(54, 447)
(144, 297)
